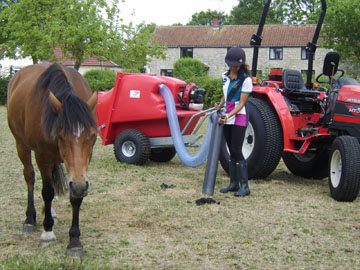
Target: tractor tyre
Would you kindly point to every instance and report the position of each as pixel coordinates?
(308, 165)
(263, 144)
(344, 168)
(162, 154)
(132, 146)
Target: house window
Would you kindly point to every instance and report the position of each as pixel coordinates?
(275, 53)
(186, 52)
(305, 54)
(166, 72)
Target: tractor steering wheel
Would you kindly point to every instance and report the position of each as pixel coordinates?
(328, 82)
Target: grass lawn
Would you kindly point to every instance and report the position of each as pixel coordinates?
(128, 222)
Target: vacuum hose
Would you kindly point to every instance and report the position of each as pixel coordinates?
(188, 160)
(213, 156)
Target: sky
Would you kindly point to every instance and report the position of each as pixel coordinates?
(168, 12)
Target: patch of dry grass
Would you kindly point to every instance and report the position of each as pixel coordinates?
(129, 222)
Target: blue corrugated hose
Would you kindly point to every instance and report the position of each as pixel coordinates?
(188, 160)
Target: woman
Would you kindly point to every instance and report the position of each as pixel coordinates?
(237, 86)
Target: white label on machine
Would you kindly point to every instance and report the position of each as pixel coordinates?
(134, 93)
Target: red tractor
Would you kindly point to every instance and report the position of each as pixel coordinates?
(316, 130)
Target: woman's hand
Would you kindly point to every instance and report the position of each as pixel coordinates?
(217, 106)
(223, 119)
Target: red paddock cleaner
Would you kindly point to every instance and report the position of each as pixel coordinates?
(133, 117)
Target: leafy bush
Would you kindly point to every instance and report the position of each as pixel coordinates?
(212, 86)
(194, 71)
(4, 81)
(100, 80)
(186, 68)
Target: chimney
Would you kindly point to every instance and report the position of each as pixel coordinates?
(216, 22)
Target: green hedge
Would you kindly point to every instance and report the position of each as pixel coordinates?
(194, 71)
(100, 80)
(212, 86)
(185, 68)
(4, 81)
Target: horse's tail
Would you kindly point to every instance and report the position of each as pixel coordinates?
(58, 180)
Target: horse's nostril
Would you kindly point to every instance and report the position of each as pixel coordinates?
(87, 184)
(71, 184)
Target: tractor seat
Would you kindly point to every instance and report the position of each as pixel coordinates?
(293, 83)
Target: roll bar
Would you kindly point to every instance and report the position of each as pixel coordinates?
(257, 38)
(310, 47)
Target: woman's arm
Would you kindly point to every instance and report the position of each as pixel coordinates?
(219, 105)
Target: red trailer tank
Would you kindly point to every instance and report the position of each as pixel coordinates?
(136, 104)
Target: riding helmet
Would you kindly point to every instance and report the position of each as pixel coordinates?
(235, 57)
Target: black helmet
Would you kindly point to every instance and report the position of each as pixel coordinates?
(235, 57)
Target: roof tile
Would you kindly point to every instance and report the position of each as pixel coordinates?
(233, 35)
(91, 61)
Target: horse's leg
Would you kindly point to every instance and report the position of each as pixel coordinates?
(24, 154)
(48, 195)
(75, 248)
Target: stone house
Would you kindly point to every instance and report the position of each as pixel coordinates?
(283, 46)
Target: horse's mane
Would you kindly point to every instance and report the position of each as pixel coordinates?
(75, 114)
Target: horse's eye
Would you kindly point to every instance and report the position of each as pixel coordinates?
(93, 138)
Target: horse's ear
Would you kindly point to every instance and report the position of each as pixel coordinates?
(92, 101)
(55, 103)
(64, 71)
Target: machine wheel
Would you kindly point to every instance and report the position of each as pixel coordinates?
(162, 154)
(344, 168)
(308, 165)
(263, 144)
(132, 146)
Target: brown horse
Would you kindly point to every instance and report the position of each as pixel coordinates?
(50, 112)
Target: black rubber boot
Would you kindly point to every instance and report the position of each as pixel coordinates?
(242, 171)
(234, 177)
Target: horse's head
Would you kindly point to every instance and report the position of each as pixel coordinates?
(76, 134)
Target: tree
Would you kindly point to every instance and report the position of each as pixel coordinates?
(341, 28)
(249, 12)
(86, 27)
(24, 31)
(4, 4)
(206, 17)
(78, 27)
(135, 46)
(302, 11)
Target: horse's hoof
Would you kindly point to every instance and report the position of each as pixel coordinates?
(75, 252)
(28, 228)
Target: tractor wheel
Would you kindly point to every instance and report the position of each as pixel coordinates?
(162, 154)
(263, 144)
(132, 146)
(308, 165)
(344, 168)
